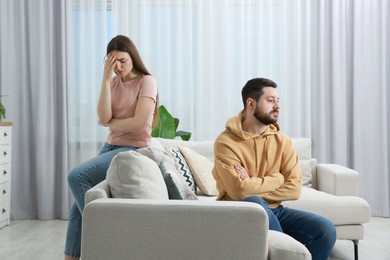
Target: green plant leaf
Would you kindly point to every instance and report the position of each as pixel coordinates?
(184, 135)
(177, 121)
(2, 111)
(166, 125)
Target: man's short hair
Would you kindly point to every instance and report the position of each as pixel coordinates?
(254, 88)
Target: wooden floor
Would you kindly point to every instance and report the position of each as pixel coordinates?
(44, 240)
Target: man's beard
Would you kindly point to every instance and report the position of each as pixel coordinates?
(266, 119)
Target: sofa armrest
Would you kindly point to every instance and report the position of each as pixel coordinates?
(337, 180)
(173, 229)
(282, 246)
(100, 191)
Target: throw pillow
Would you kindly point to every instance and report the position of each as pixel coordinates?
(201, 169)
(177, 188)
(182, 166)
(173, 191)
(135, 176)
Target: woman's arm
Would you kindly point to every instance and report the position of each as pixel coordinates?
(145, 107)
(104, 103)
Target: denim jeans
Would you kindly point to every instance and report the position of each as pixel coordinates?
(317, 233)
(80, 179)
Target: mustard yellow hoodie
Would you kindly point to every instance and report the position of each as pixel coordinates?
(270, 160)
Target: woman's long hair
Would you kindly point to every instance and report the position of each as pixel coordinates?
(125, 44)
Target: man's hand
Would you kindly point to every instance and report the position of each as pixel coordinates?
(242, 172)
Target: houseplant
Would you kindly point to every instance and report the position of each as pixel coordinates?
(3, 111)
(167, 126)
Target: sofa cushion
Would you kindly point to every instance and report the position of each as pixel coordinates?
(177, 188)
(133, 175)
(155, 143)
(201, 169)
(341, 210)
(303, 149)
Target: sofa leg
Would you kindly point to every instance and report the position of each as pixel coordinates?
(355, 248)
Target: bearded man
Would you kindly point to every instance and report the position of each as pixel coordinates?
(255, 162)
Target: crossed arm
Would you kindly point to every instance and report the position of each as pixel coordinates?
(145, 106)
(240, 179)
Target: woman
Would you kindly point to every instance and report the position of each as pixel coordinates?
(127, 105)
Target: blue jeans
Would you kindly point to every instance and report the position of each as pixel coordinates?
(317, 233)
(80, 179)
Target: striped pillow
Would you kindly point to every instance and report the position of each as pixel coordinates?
(182, 167)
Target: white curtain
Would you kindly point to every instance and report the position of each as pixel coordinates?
(201, 53)
(329, 57)
(351, 111)
(88, 32)
(33, 82)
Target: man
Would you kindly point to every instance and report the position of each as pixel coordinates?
(255, 162)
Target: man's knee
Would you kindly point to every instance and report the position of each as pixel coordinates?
(329, 232)
(273, 220)
(256, 199)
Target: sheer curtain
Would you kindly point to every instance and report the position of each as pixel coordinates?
(88, 31)
(329, 59)
(351, 112)
(200, 52)
(203, 52)
(32, 76)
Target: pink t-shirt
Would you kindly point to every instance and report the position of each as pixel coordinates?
(124, 97)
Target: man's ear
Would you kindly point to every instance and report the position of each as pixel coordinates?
(250, 104)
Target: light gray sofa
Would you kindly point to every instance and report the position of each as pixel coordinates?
(116, 228)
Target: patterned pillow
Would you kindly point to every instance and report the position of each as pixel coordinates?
(177, 188)
(182, 167)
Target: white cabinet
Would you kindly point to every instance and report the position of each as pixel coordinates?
(5, 172)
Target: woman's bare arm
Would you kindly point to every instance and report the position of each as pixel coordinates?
(104, 103)
(145, 107)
